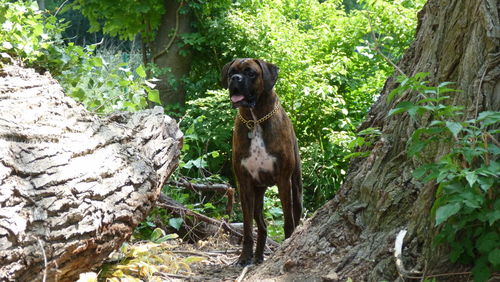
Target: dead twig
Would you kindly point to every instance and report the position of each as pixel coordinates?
(179, 276)
(175, 207)
(216, 187)
(243, 273)
(398, 255)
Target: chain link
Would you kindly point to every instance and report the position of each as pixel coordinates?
(250, 124)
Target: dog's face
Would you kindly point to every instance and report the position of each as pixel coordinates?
(247, 80)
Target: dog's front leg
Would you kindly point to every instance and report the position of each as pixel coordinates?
(247, 198)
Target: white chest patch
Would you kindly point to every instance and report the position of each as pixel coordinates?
(259, 159)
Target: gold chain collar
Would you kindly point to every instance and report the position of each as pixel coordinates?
(250, 124)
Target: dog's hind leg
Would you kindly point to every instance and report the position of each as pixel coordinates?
(285, 194)
(261, 225)
(297, 188)
(297, 199)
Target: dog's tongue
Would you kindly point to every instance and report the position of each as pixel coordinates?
(237, 98)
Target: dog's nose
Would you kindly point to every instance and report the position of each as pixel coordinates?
(237, 77)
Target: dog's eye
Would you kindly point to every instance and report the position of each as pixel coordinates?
(250, 72)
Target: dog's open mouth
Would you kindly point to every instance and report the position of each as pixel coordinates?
(240, 100)
(237, 98)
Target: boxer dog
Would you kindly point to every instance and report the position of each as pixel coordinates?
(265, 150)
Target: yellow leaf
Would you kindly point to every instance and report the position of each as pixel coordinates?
(118, 274)
(193, 259)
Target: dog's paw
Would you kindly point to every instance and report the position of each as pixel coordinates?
(258, 260)
(244, 260)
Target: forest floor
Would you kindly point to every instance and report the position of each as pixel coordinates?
(212, 259)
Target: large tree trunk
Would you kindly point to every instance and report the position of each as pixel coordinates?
(72, 186)
(167, 53)
(353, 235)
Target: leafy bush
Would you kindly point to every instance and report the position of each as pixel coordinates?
(329, 69)
(35, 38)
(467, 205)
(106, 83)
(207, 127)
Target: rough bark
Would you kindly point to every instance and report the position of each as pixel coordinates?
(353, 235)
(167, 53)
(72, 185)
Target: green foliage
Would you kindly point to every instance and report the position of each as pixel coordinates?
(102, 83)
(207, 127)
(365, 137)
(467, 205)
(273, 214)
(329, 71)
(106, 82)
(124, 19)
(28, 35)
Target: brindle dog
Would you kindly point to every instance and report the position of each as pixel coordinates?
(265, 150)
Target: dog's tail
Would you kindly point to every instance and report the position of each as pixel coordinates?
(297, 187)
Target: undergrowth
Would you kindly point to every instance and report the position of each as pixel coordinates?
(466, 209)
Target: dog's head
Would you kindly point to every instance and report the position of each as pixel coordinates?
(248, 80)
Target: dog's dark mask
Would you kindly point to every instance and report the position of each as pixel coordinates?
(247, 80)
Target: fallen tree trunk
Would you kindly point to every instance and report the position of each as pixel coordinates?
(353, 236)
(73, 186)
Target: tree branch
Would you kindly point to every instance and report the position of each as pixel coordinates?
(217, 187)
(172, 39)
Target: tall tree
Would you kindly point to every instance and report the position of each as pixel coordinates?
(354, 234)
(167, 53)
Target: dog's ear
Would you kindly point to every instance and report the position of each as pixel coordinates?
(269, 74)
(224, 74)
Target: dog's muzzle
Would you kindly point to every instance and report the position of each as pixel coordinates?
(239, 92)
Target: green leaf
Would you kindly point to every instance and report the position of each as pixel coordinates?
(471, 199)
(416, 147)
(444, 212)
(97, 62)
(140, 71)
(420, 171)
(436, 123)
(489, 118)
(493, 216)
(456, 251)
(157, 234)
(454, 127)
(401, 107)
(446, 83)
(481, 271)
(494, 257)
(471, 177)
(176, 222)
(154, 96)
(487, 242)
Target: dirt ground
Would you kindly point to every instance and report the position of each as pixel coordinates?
(175, 260)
